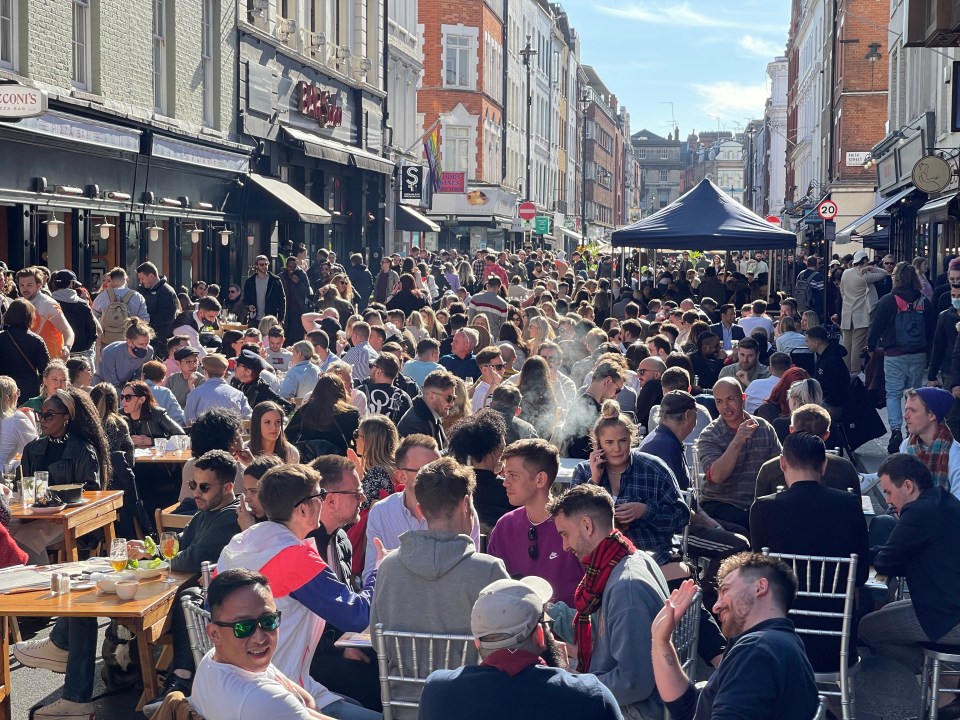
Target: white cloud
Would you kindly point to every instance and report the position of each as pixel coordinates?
(732, 100)
(758, 47)
(677, 14)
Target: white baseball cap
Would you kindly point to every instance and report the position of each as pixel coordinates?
(507, 611)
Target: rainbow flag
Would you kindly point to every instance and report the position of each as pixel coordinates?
(431, 147)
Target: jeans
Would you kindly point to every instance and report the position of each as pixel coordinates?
(901, 372)
(78, 636)
(347, 709)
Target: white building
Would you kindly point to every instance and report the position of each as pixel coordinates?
(775, 128)
(808, 103)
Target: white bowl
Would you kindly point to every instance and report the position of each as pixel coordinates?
(145, 573)
(127, 589)
(107, 582)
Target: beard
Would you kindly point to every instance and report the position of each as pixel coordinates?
(551, 653)
(735, 620)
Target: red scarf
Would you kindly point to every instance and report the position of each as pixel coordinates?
(936, 456)
(512, 663)
(589, 595)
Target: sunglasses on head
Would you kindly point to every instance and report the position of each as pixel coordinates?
(322, 495)
(204, 487)
(245, 628)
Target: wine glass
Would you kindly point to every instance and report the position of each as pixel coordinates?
(118, 554)
(169, 547)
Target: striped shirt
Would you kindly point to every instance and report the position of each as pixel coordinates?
(740, 487)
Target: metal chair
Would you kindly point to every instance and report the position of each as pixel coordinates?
(933, 656)
(196, 616)
(686, 639)
(823, 578)
(401, 682)
(821, 713)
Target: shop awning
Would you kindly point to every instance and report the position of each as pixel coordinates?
(368, 161)
(936, 209)
(287, 201)
(333, 151)
(884, 205)
(575, 236)
(412, 221)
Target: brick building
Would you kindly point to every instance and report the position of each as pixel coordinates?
(604, 171)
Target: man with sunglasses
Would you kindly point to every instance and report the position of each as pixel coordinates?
(427, 410)
(491, 365)
(308, 591)
(609, 377)
(263, 292)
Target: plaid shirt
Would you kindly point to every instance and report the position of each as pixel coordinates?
(648, 480)
(740, 488)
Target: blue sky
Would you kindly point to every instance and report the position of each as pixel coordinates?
(707, 57)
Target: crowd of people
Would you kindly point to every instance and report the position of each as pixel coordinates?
(384, 448)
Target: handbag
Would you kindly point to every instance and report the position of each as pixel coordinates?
(22, 354)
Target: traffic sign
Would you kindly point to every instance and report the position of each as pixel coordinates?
(527, 210)
(773, 220)
(827, 210)
(542, 225)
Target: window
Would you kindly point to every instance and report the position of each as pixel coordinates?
(159, 56)
(8, 33)
(664, 196)
(456, 146)
(664, 175)
(664, 153)
(641, 153)
(457, 62)
(206, 61)
(81, 44)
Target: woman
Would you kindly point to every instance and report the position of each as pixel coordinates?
(416, 326)
(231, 343)
(144, 417)
(465, 273)
(266, 433)
(104, 399)
(481, 324)
(377, 442)
(341, 281)
(802, 392)
(602, 303)
(17, 427)
(776, 405)
(55, 377)
(432, 325)
(23, 353)
(327, 415)
(922, 266)
(407, 296)
(452, 278)
(788, 339)
(429, 282)
(461, 406)
(330, 298)
(808, 320)
(539, 405)
(510, 334)
(478, 441)
(79, 373)
(345, 373)
(538, 330)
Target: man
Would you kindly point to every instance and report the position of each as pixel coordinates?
(759, 390)
(839, 474)
(237, 679)
(162, 303)
(184, 382)
(765, 674)
(747, 368)
(263, 293)
(117, 304)
(201, 326)
(308, 591)
(727, 329)
(427, 410)
(506, 401)
(121, 362)
(945, 338)
(296, 290)
(650, 368)
(461, 360)
(492, 268)
(921, 549)
(808, 289)
(361, 279)
(490, 362)
(732, 449)
(279, 357)
(50, 322)
(526, 539)
(706, 360)
(302, 373)
(234, 303)
(247, 379)
(428, 360)
(831, 371)
(215, 392)
(885, 286)
(757, 319)
(622, 589)
(382, 395)
(858, 297)
(154, 373)
(321, 349)
(490, 304)
(928, 437)
(78, 314)
(609, 377)
(385, 282)
(361, 355)
(809, 518)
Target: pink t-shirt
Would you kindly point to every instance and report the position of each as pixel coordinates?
(509, 541)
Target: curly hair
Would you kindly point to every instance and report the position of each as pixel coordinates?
(475, 437)
(282, 446)
(85, 423)
(215, 429)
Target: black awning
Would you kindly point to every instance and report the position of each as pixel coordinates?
(285, 201)
(412, 221)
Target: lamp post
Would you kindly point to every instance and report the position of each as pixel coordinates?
(585, 104)
(526, 54)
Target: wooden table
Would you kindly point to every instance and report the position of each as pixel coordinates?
(99, 512)
(173, 456)
(147, 616)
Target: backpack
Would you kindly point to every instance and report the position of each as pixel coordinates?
(803, 292)
(114, 318)
(910, 326)
(80, 317)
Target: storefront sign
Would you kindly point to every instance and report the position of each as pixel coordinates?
(480, 201)
(932, 174)
(319, 104)
(453, 182)
(180, 151)
(412, 183)
(85, 131)
(18, 102)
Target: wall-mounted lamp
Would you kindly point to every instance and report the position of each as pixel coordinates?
(69, 190)
(154, 231)
(251, 239)
(195, 235)
(53, 226)
(225, 237)
(874, 54)
(105, 227)
(121, 196)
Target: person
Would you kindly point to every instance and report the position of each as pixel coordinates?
(526, 538)
(17, 427)
(538, 406)
(428, 357)
(292, 498)
(727, 329)
(145, 419)
(182, 383)
(106, 401)
(279, 358)
(361, 279)
(829, 368)
(115, 305)
(154, 374)
(49, 321)
(302, 374)
(383, 397)
(263, 292)
(461, 361)
(765, 673)
(427, 410)
(267, 436)
(361, 355)
(732, 450)
(490, 361)
(564, 389)
(248, 378)
(408, 296)
(506, 400)
(647, 502)
(23, 353)
(123, 360)
(77, 312)
(928, 437)
(327, 415)
(921, 550)
(899, 327)
(297, 291)
(478, 441)
(249, 510)
(622, 590)
(859, 297)
(945, 338)
(747, 368)
(609, 377)
(759, 390)
(513, 635)
(386, 281)
(436, 570)
(200, 326)
(491, 304)
(706, 359)
(808, 288)
(215, 392)
(161, 300)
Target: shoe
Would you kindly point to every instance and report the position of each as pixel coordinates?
(41, 653)
(64, 710)
(173, 683)
(895, 439)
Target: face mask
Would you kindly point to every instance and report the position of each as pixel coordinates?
(139, 352)
(955, 302)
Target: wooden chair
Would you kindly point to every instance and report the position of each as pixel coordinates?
(167, 519)
(177, 707)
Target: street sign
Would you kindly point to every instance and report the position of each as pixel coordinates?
(527, 210)
(412, 187)
(541, 225)
(827, 209)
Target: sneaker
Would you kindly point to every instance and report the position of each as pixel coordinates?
(64, 710)
(173, 682)
(895, 439)
(41, 653)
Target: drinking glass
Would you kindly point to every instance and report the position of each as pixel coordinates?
(118, 554)
(41, 481)
(27, 492)
(169, 547)
(159, 446)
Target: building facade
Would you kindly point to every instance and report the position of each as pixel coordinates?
(660, 167)
(774, 130)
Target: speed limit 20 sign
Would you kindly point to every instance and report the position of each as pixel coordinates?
(827, 210)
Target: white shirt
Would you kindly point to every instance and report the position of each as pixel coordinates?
(751, 323)
(758, 391)
(481, 397)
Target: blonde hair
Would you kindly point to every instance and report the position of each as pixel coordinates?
(267, 322)
(611, 417)
(380, 442)
(8, 388)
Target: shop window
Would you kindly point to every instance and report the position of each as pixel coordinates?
(8, 34)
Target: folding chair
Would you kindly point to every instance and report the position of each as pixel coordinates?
(686, 639)
(822, 578)
(821, 708)
(401, 682)
(196, 616)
